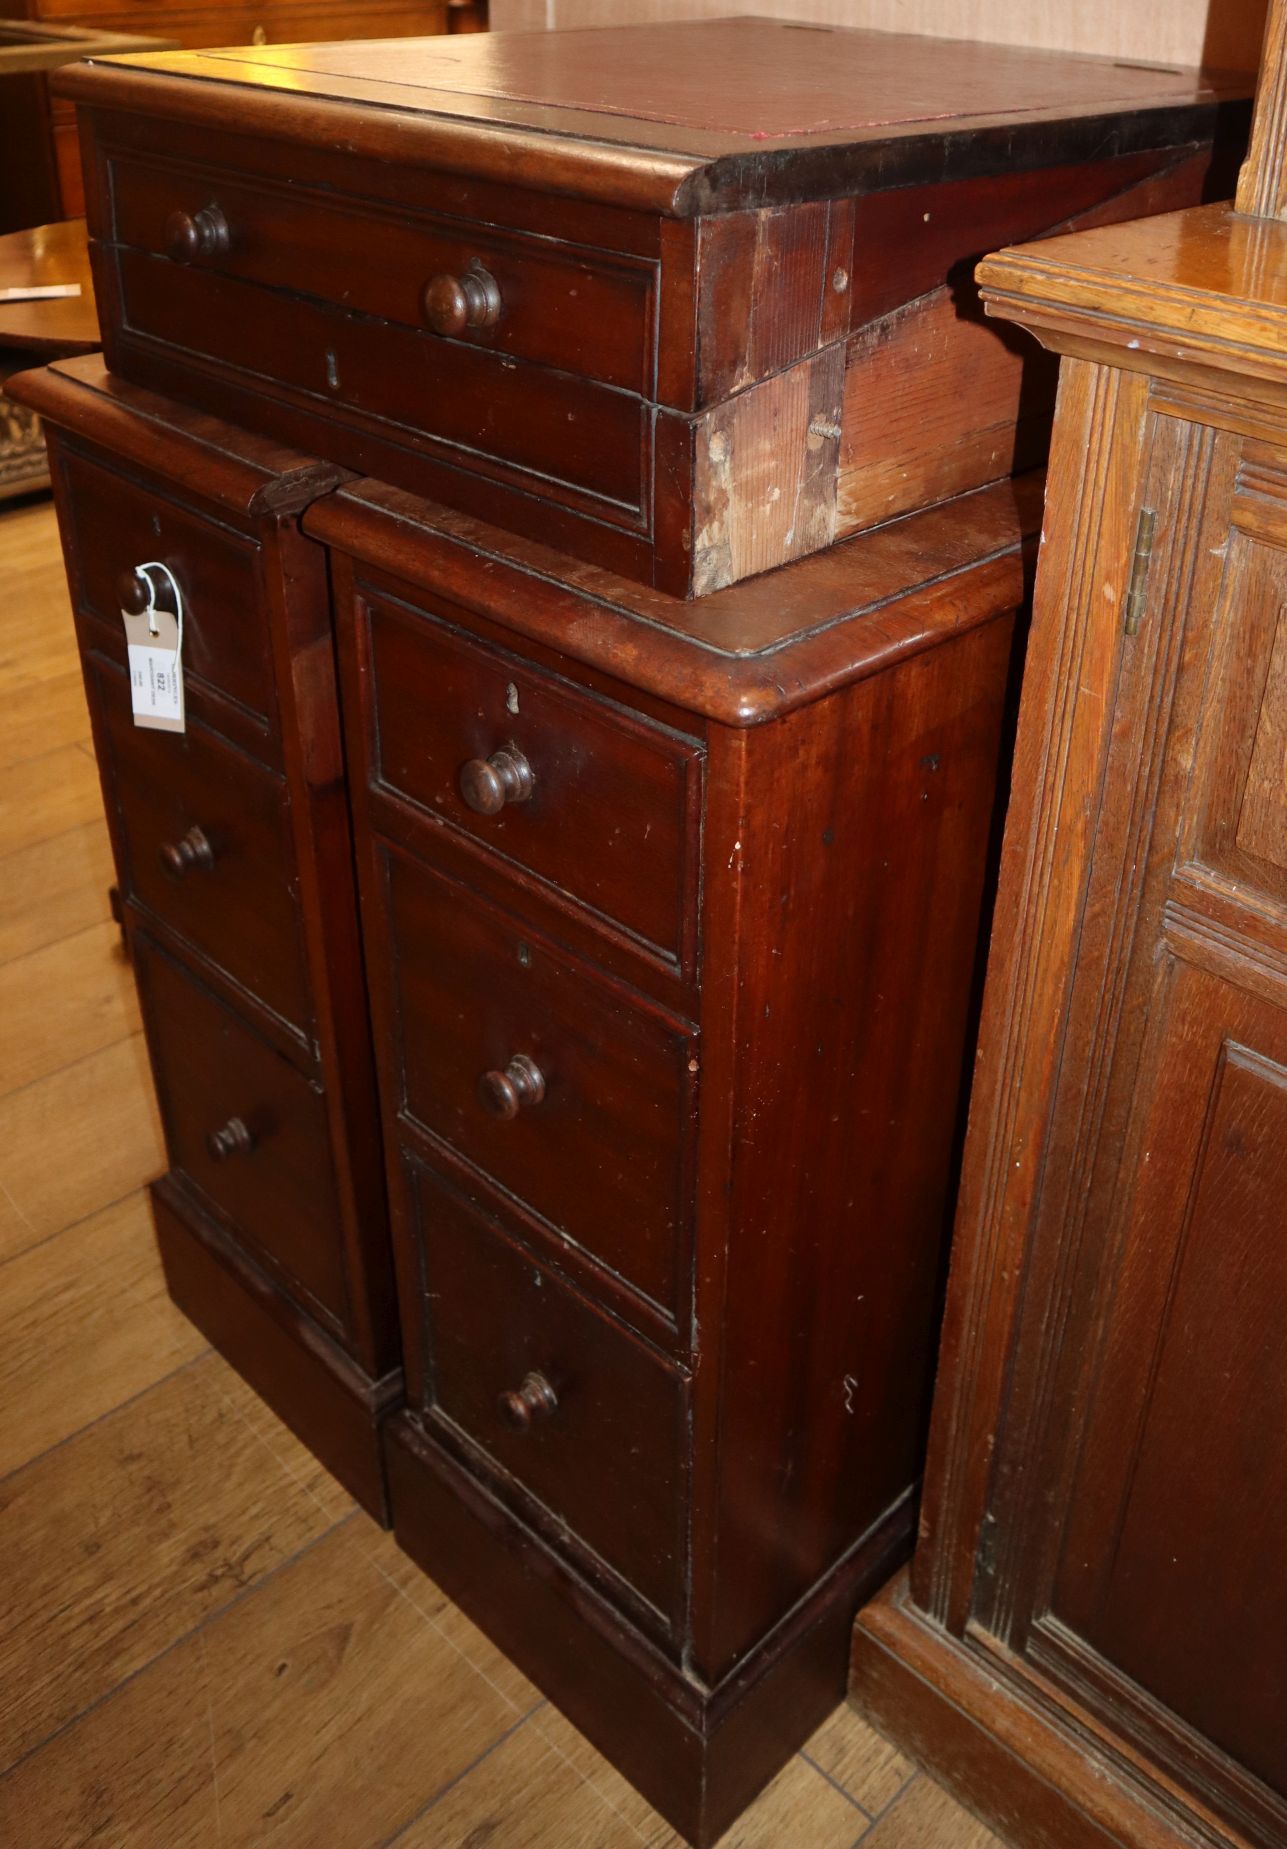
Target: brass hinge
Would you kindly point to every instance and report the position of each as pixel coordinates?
(1140, 562)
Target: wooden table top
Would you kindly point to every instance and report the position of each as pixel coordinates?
(751, 111)
(49, 254)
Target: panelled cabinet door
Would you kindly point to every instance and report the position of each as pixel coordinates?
(1143, 1563)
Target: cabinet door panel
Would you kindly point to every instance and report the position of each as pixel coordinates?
(1139, 1499)
(1172, 1558)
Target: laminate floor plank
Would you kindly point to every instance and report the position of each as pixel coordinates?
(126, 1537)
(925, 1817)
(85, 1324)
(42, 714)
(523, 1795)
(76, 1141)
(63, 1002)
(853, 1754)
(322, 1709)
(799, 1800)
(510, 1682)
(47, 795)
(54, 889)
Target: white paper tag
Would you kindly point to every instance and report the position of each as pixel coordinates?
(154, 646)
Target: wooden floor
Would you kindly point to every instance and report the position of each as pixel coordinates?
(202, 1641)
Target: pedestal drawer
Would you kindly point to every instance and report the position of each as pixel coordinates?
(111, 525)
(578, 1412)
(206, 845)
(247, 1129)
(578, 1098)
(588, 797)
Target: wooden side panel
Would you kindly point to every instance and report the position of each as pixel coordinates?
(774, 288)
(936, 399)
(860, 908)
(1049, 838)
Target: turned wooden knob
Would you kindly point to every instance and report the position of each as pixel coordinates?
(133, 593)
(487, 784)
(505, 1093)
(191, 236)
(454, 303)
(233, 1140)
(192, 853)
(535, 1399)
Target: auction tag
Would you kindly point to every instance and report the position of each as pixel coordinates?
(154, 645)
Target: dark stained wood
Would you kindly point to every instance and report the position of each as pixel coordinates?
(249, 955)
(119, 523)
(793, 105)
(607, 818)
(1107, 1450)
(847, 900)
(602, 1154)
(695, 351)
(606, 1467)
(557, 303)
(234, 901)
(246, 1130)
(786, 1262)
(753, 652)
(698, 1756)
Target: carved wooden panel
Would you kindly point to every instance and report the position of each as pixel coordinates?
(1262, 815)
(1183, 1436)
(1150, 1371)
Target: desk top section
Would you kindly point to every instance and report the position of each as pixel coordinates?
(718, 114)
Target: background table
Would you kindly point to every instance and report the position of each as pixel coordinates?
(32, 332)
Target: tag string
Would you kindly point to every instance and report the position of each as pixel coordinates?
(151, 611)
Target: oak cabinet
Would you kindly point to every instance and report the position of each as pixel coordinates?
(1093, 1645)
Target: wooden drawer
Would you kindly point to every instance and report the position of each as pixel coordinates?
(607, 1458)
(603, 1153)
(112, 524)
(274, 1180)
(238, 904)
(672, 336)
(612, 816)
(583, 311)
(550, 431)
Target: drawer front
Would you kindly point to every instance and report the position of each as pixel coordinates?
(247, 1129)
(583, 311)
(598, 1142)
(563, 438)
(234, 898)
(612, 815)
(113, 525)
(602, 1450)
